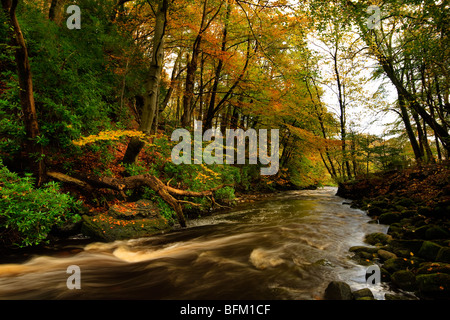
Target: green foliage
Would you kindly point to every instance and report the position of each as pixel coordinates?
(226, 193)
(32, 212)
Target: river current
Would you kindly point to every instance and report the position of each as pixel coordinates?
(286, 247)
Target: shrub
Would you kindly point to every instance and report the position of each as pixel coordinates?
(30, 213)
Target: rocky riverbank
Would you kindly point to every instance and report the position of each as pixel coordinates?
(414, 255)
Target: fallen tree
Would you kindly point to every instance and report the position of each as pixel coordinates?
(166, 192)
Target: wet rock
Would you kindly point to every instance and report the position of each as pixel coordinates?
(377, 238)
(429, 250)
(357, 249)
(404, 279)
(363, 294)
(386, 255)
(338, 290)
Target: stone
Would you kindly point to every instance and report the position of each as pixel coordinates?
(106, 228)
(395, 264)
(357, 249)
(434, 285)
(443, 255)
(386, 255)
(404, 279)
(429, 250)
(405, 202)
(134, 210)
(433, 267)
(436, 232)
(338, 290)
(363, 294)
(389, 218)
(377, 238)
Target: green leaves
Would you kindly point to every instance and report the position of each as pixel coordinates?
(32, 212)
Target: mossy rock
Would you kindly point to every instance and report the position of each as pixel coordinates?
(443, 255)
(433, 267)
(363, 294)
(429, 250)
(374, 211)
(134, 210)
(405, 202)
(357, 249)
(436, 232)
(404, 279)
(383, 204)
(398, 245)
(389, 218)
(338, 290)
(434, 285)
(106, 228)
(395, 264)
(377, 238)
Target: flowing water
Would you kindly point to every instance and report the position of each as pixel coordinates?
(286, 247)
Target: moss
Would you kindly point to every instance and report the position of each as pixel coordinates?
(404, 279)
(106, 228)
(377, 237)
(429, 250)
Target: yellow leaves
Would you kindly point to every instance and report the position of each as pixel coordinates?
(109, 135)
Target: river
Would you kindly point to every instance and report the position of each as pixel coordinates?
(286, 247)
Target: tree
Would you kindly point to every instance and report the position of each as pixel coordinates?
(152, 83)
(34, 151)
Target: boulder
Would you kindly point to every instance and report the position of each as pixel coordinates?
(436, 232)
(103, 227)
(386, 255)
(405, 202)
(429, 250)
(134, 210)
(363, 294)
(404, 279)
(433, 267)
(434, 285)
(338, 290)
(443, 255)
(395, 264)
(357, 249)
(389, 217)
(408, 245)
(377, 238)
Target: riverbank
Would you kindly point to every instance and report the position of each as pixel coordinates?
(414, 255)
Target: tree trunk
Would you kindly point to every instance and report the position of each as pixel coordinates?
(152, 86)
(166, 192)
(32, 149)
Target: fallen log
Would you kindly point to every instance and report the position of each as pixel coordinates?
(121, 184)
